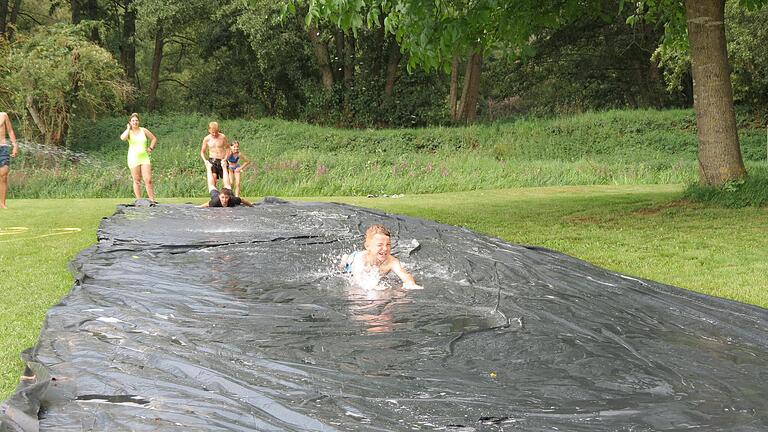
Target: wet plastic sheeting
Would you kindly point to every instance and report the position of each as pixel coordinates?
(236, 319)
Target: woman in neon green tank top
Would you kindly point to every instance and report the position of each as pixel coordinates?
(138, 155)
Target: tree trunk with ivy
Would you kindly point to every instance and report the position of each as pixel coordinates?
(127, 45)
(720, 158)
(74, 7)
(92, 12)
(453, 89)
(157, 59)
(11, 24)
(393, 64)
(3, 16)
(321, 56)
(471, 89)
(349, 60)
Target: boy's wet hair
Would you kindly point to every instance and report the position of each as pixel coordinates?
(226, 192)
(213, 125)
(376, 229)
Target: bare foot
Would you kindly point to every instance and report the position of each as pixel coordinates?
(412, 286)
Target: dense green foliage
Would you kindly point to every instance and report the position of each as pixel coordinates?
(748, 35)
(590, 64)
(59, 74)
(247, 59)
(244, 59)
(295, 159)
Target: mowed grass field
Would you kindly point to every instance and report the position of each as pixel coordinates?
(639, 230)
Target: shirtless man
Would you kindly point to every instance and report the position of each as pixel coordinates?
(6, 153)
(218, 149)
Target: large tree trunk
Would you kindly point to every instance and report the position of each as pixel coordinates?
(393, 63)
(719, 153)
(321, 56)
(471, 90)
(127, 45)
(470, 108)
(465, 87)
(157, 59)
(453, 91)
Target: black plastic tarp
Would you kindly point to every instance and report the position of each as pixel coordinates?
(184, 319)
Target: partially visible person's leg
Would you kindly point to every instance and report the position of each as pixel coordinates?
(5, 166)
(226, 180)
(3, 184)
(211, 178)
(136, 176)
(237, 183)
(146, 175)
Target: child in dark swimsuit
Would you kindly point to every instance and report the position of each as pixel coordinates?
(236, 162)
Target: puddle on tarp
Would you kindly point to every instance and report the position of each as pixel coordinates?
(236, 319)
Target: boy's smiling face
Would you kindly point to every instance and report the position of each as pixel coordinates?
(379, 247)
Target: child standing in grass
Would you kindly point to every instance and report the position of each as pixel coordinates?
(376, 260)
(237, 162)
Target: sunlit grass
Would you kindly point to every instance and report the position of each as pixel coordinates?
(298, 159)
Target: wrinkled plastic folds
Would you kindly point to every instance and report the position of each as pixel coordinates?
(237, 319)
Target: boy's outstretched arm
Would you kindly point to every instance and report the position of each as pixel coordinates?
(408, 282)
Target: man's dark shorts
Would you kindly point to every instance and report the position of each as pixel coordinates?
(216, 168)
(5, 155)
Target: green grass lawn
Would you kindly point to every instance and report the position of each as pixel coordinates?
(636, 230)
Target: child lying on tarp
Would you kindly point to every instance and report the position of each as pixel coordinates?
(376, 259)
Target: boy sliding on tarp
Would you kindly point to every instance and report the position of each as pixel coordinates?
(225, 198)
(376, 260)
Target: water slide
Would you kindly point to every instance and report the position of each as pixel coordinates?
(237, 319)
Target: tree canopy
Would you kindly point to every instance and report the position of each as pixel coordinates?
(391, 62)
(56, 73)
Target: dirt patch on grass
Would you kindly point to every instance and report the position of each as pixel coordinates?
(585, 220)
(656, 210)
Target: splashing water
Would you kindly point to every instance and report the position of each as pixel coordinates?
(369, 279)
(56, 153)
